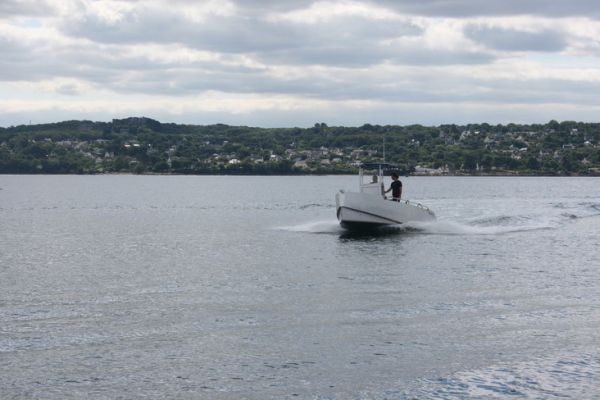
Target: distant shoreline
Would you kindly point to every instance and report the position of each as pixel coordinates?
(453, 175)
(148, 147)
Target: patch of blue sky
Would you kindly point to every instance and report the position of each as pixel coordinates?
(30, 23)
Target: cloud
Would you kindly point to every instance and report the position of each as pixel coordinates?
(153, 23)
(473, 8)
(38, 8)
(333, 113)
(516, 40)
(272, 60)
(332, 34)
(342, 40)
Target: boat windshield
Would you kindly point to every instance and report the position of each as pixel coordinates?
(371, 177)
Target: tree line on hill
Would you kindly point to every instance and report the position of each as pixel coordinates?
(144, 145)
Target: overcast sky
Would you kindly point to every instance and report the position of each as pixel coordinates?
(278, 63)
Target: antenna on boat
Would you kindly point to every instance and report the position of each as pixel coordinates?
(383, 148)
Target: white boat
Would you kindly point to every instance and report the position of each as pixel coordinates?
(370, 208)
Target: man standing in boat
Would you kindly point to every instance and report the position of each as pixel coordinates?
(395, 187)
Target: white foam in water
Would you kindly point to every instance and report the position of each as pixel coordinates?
(457, 228)
(435, 227)
(492, 225)
(323, 226)
(572, 376)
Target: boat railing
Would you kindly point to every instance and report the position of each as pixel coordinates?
(408, 202)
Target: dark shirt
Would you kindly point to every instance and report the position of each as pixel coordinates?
(396, 188)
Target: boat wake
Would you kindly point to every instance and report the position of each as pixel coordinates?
(458, 228)
(322, 226)
(433, 228)
(565, 376)
(502, 224)
(492, 225)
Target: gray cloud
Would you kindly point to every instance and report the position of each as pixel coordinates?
(513, 40)
(36, 8)
(343, 41)
(351, 44)
(424, 57)
(403, 114)
(470, 8)
(339, 42)
(414, 88)
(225, 34)
(111, 67)
(260, 7)
(107, 65)
(435, 8)
(364, 56)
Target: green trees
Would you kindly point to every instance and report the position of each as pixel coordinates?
(142, 145)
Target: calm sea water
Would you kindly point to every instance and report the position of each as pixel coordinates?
(245, 287)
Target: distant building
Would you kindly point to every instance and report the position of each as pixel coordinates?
(301, 164)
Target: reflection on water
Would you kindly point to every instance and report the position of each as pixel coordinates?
(378, 233)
